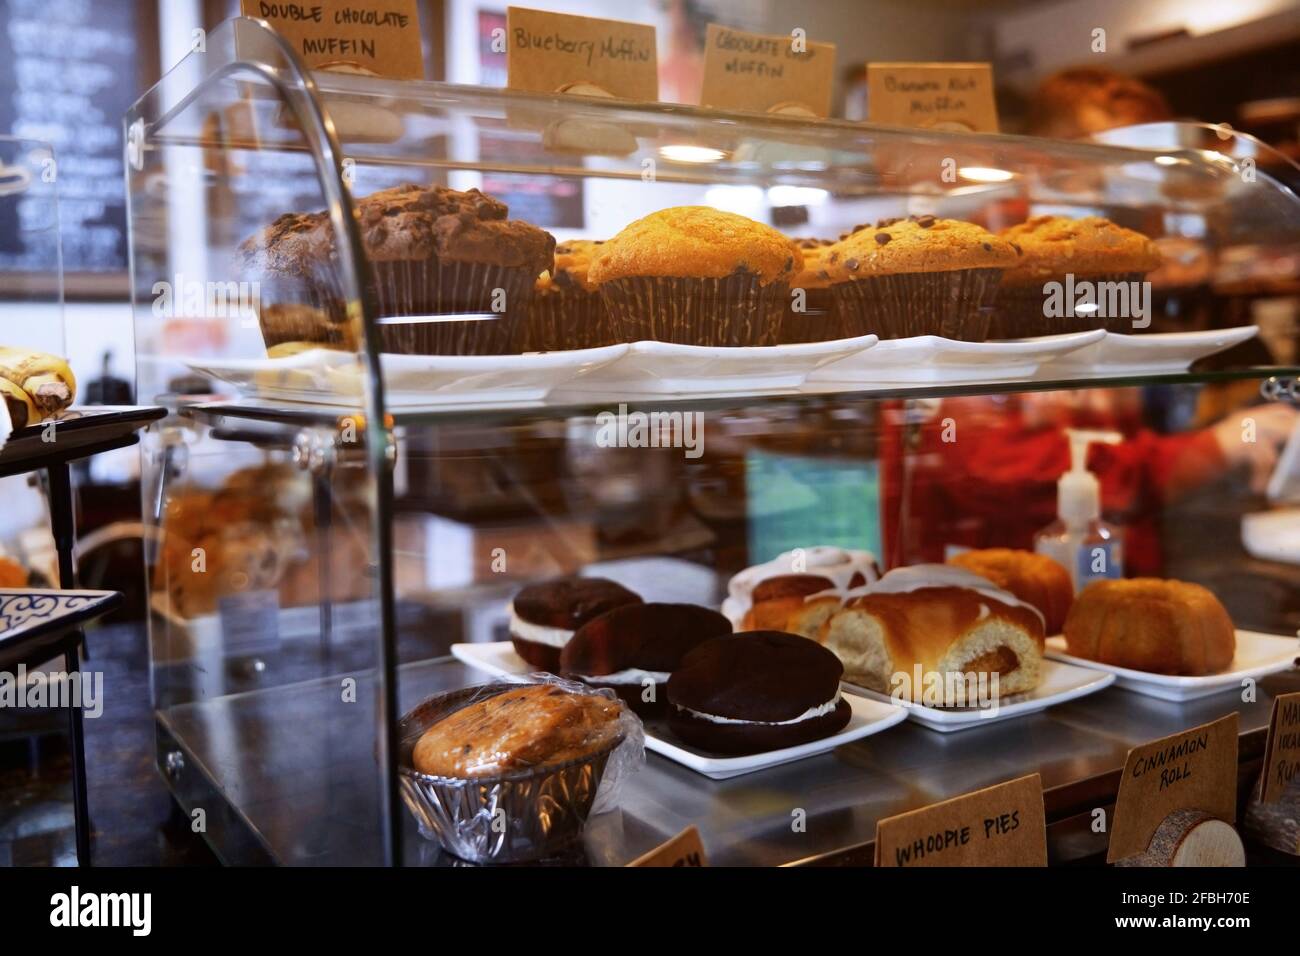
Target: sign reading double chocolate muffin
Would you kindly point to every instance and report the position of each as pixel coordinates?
(918, 276)
(757, 691)
(696, 276)
(634, 648)
(544, 617)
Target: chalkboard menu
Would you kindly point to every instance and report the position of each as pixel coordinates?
(69, 69)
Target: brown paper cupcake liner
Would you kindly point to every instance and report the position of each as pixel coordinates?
(734, 311)
(1019, 312)
(955, 305)
(820, 322)
(567, 319)
(428, 290)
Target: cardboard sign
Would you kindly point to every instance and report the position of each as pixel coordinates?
(932, 96)
(1194, 770)
(1282, 752)
(750, 71)
(382, 36)
(550, 52)
(998, 826)
(685, 849)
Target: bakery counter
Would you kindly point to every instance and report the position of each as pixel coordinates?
(288, 776)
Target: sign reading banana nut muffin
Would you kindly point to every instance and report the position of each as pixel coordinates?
(1070, 252)
(633, 649)
(696, 276)
(544, 617)
(756, 691)
(918, 276)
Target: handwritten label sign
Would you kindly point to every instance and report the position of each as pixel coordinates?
(1194, 770)
(685, 849)
(750, 71)
(382, 36)
(998, 826)
(553, 52)
(932, 96)
(1282, 752)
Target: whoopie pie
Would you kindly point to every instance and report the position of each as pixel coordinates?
(756, 691)
(632, 649)
(544, 616)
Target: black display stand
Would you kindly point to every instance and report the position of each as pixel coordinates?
(51, 447)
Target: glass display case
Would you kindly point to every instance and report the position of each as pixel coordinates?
(333, 517)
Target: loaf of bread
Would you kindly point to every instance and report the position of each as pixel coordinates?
(937, 626)
(1150, 624)
(1034, 578)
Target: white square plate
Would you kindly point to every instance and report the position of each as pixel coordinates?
(1061, 682)
(932, 359)
(325, 377)
(663, 368)
(1156, 353)
(1257, 655)
(869, 717)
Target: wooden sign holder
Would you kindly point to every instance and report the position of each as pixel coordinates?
(1191, 838)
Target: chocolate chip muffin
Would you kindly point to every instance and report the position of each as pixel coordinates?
(433, 252)
(697, 276)
(1090, 249)
(567, 311)
(918, 276)
(811, 315)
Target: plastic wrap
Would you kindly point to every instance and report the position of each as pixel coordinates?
(521, 814)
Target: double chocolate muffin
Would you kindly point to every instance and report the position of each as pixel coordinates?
(633, 649)
(919, 276)
(696, 276)
(544, 617)
(433, 251)
(756, 691)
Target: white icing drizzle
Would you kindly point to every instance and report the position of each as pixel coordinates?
(837, 565)
(818, 711)
(918, 576)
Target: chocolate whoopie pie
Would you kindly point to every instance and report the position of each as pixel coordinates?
(756, 691)
(632, 649)
(543, 617)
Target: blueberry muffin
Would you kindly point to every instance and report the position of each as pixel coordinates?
(567, 311)
(1053, 247)
(696, 276)
(918, 276)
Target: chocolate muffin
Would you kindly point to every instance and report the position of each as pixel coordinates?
(1090, 249)
(918, 276)
(819, 320)
(632, 649)
(433, 252)
(756, 691)
(696, 276)
(567, 311)
(544, 617)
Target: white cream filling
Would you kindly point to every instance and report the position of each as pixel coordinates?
(537, 633)
(632, 675)
(809, 714)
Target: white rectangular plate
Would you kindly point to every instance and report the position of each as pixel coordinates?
(931, 359)
(1257, 655)
(326, 377)
(1061, 682)
(1157, 352)
(663, 368)
(869, 717)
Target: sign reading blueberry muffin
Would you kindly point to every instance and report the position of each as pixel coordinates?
(756, 691)
(696, 276)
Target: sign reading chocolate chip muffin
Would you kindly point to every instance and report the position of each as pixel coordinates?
(751, 71)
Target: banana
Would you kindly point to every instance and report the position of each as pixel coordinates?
(21, 410)
(46, 379)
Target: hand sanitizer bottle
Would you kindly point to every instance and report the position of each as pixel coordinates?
(1086, 546)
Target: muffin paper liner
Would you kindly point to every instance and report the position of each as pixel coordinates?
(431, 290)
(277, 328)
(956, 305)
(567, 319)
(1019, 312)
(821, 322)
(521, 815)
(694, 311)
